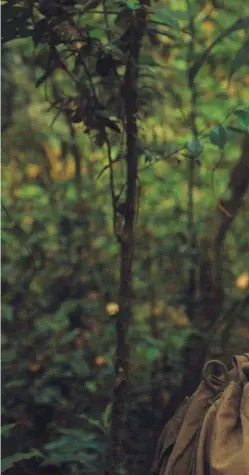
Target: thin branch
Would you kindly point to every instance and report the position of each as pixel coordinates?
(100, 12)
(106, 167)
(112, 181)
(170, 155)
(83, 62)
(242, 22)
(77, 157)
(169, 26)
(191, 176)
(236, 129)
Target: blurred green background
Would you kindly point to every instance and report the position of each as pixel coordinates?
(60, 258)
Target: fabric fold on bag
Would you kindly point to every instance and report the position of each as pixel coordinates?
(209, 434)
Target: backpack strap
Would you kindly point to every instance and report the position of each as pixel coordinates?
(216, 376)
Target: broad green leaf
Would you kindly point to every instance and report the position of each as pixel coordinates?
(132, 4)
(180, 15)
(9, 462)
(6, 428)
(152, 354)
(164, 17)
(56, 444)
(167, 16)
(242, 116)
(195, 147)
(218, 136)
(148, 60)
(96, 33)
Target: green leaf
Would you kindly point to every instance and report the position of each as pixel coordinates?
(30, 192)
(195, 147)
(96, 33)
(6, 428)
(147, 60)
(116, 52)
(71, 192)
(132, 4)
(17, 383)
(91, 386)
(9, 462)
(218, 136)
(153, 341)
(48, 395)
(180, 15)
(166, 21)
(242, 116)
(69, 337)
(165, 16)
(81, 458)
(57, 444)
(241, 58)
(93, 422)
(237, 25)
(123, 17)
(7, 312)
(75, 440)
(156, 29)
(152, 354)
(107, 415)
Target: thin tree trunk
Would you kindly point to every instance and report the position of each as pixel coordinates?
(121, 391)
(211, 279)
(191, 289)
(211, 251)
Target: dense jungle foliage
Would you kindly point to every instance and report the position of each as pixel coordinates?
(125, 239)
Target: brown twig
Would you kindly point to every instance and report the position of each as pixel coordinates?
(121, 389)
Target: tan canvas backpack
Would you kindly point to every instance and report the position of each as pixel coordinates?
(209, 434)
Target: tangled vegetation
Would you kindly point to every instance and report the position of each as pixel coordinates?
(125, 172)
